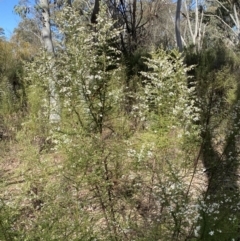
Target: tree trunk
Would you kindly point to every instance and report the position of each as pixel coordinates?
(95, 11)
(54, 115)
(177, 26)
(46, 29)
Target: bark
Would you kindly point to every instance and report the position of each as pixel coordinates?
(236, 21)
(54, 115)
(177, 26)
(197, 33)
(95, 11)
(46, 29)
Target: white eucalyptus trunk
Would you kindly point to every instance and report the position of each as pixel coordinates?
(236, 21)
(198, 31)
(54, 113)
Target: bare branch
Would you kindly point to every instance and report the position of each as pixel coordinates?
(196, 21)
(188, 20)
(236, 16)
(216, 16)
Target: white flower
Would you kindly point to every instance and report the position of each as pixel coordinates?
(196, 230)
(211, 233)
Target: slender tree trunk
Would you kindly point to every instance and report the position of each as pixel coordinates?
(54, 114)
(95, 11)
(46, 29)
(177, 26)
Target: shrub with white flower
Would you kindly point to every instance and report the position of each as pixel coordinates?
(167, 91)
(89, 68)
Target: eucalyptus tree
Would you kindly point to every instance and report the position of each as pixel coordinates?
(177, 25)
(190, 27)
(202, 22)
(54, 115)
(27, 36)
(41, 12)
(46, 27)
(228, 15)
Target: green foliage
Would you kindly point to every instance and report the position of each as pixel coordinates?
(8, 216)
(216, 80)
(105, 173)
(85, 71)
(114, 173)
(12, 94)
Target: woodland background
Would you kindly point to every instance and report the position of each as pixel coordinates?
(119, 120)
